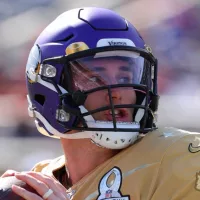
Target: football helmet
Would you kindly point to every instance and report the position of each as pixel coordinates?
(66, 67)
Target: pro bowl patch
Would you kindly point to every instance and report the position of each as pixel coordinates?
(110, 185)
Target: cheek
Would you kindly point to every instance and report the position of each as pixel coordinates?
(128, 97)
(95, 100)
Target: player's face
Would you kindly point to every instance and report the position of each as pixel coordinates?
(109, 72)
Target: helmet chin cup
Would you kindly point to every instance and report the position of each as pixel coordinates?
(114, 140)
(111, 139)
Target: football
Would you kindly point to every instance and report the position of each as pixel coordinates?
(6, 192)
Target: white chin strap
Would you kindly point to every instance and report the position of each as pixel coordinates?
(107, 139)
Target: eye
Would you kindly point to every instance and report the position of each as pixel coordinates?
(124, 80)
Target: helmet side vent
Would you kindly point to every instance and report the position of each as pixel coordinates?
(40, 99)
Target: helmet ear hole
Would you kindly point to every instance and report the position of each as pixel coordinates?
(40, 99)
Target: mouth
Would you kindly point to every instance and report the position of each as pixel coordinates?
(120, 115)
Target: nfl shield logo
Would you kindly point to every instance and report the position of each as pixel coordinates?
(108, 194)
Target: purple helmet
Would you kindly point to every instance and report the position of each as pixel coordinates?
(68, 65)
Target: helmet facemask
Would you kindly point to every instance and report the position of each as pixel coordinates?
(110, 94)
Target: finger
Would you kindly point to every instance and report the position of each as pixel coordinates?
(9, 173)
(46, 178)
(39, 186)
(56, 186)
(24, 193)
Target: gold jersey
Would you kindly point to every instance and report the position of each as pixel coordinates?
(164, 165)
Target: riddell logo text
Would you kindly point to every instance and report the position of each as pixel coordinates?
(112, 43)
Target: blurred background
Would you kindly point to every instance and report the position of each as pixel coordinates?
(170, 27)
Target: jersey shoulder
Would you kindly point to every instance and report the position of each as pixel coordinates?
(154, 145)
(178, 173)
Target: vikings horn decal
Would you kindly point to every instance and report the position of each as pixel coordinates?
(33, 64)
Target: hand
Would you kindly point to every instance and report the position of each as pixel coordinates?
(41, 183)
(8, 173)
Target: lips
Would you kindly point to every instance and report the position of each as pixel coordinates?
(120, 115)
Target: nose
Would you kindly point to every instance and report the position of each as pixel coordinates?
(115, 96)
